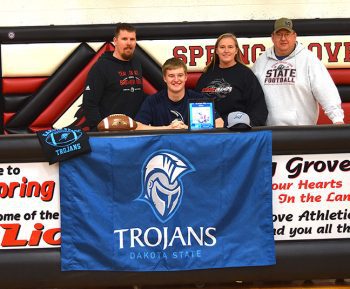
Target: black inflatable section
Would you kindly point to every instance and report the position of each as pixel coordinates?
(14, 102)
(2, 110)
(2, 103)
(47, 93)
(344, 91)
(286, 140)
(170, 30)
(296, 260)
(150, 69)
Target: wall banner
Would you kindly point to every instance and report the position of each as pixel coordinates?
(29, 202)
(311, 196)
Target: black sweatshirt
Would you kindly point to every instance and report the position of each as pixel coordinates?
(235, 89)
(112, 86)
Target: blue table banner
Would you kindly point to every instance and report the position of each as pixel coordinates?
(169, 202)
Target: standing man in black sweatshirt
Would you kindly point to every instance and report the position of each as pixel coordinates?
(114, 83)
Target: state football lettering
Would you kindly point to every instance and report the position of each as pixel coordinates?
(280, 75)
(286, 72)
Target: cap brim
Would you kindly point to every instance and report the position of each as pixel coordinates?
(285, 28)
(240, 126)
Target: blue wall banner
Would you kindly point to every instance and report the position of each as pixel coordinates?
(168, 202)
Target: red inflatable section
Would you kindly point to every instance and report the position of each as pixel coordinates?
(67, 97)
(8, 115)
(21, 85)
(148, 88)
(192, 79)
(340, 76)
(323, 119)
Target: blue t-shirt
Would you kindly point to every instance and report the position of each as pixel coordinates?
(159, 110)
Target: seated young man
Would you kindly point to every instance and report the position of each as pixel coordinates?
(168, 108)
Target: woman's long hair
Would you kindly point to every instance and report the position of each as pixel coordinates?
(215, 58)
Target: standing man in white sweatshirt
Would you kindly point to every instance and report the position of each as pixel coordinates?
(295, 81)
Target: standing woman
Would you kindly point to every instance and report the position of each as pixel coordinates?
(232, 85)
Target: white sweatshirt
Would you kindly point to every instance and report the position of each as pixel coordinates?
(295, 86)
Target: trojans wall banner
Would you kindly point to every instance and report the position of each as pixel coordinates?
(168, 202)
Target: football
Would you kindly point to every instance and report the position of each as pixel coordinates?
(115, 122)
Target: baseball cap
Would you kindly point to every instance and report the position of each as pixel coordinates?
(238, 120)
(283, 23)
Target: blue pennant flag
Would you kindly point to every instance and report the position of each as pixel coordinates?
(169, 202)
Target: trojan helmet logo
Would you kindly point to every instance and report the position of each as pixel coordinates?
(162, 187)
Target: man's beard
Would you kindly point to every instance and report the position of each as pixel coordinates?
(127, 56)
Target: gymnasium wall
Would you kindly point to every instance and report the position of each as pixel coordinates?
(80, 12)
